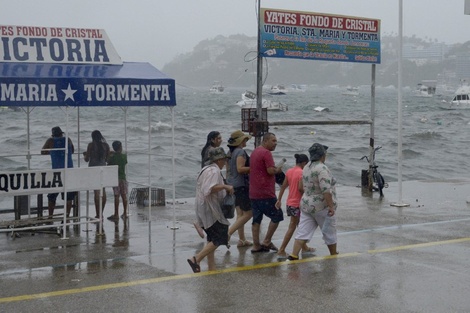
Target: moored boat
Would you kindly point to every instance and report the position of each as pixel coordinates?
(249, 102)
(351, 91)
(460, 100)
(217, 88)
(278, 90)
(425, 89)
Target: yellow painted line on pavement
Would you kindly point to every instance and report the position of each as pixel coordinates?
(228, 270)
(420, 245)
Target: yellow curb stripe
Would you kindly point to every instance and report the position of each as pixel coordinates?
(227, 270)
(420, 245)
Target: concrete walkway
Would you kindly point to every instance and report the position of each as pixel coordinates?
(411, 259)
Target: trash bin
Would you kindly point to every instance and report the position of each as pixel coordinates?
(140, 196)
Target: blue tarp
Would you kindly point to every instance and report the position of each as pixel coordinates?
(47, 84)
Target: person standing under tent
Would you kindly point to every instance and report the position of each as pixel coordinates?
(57, 141)
(120, 159)
(97, 154)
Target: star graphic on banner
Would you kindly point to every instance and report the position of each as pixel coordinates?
(69, 93)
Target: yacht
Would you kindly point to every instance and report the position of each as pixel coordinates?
(217, 88)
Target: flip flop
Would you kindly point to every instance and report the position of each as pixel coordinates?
(271, 246)
(244, 243)
(261, 249)
(194, 266)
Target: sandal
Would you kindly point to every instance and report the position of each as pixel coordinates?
(194, 266)
(261, 249)
(244, 243)
(271, 246)
(309, 250)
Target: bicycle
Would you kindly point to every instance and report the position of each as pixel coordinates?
(378, 180)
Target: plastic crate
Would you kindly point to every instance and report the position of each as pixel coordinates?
(140, 196)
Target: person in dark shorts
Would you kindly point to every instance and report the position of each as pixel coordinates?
(238, 169)
(263, 193)
(210, 192)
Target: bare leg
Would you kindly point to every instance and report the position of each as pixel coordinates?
(211, 261)
(294, 221)
(269, 234)
(104, 199)
(240, 228)
(297, 246)
(240, 223)
(124, 203)
(97, 203)
(332, 249)
(51, 207)
(255, 228)
(69, 207)
(208, 251)
(116, 206)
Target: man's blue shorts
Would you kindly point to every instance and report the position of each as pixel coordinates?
(268, 208)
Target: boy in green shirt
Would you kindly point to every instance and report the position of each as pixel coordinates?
(120, 159)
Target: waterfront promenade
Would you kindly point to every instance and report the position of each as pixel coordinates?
(411, 259)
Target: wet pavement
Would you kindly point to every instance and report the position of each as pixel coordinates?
(392, 259)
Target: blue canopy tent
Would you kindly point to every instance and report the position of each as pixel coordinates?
(29, 85)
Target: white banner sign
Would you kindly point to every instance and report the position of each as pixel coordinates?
(57, 180)
(34, 44)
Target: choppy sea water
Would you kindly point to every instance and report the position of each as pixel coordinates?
(434, 140)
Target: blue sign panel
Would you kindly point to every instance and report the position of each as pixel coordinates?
(47, 84)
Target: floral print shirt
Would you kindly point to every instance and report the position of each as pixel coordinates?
(317, 180)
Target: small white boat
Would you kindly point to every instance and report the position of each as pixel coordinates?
(217, 88)
(249, 102)
(460, 100)
(278, 90)
(425, 89)
(351, 91)
(321, 109)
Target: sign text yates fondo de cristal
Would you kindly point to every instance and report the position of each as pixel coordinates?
(56, 45)
(319, 36)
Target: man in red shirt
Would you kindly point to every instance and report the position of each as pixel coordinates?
(263, 192)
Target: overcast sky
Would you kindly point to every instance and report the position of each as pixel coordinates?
(156, 31)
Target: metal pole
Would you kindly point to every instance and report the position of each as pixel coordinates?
(372, 126)
(173, 165)
(259, 82)
(148, 180)
(66, 154)
(400, 113)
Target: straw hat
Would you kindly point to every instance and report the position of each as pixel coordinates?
(237, 137)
